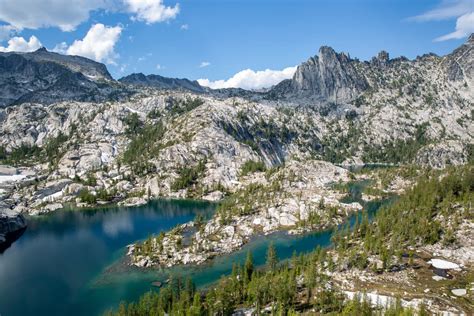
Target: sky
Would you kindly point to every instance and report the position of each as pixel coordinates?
(250, 44)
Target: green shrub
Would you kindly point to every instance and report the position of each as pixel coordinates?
(188, 176)
(86, 197)
(252, 166)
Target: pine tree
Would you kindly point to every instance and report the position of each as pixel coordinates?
(195, 309)
(248, 266)
(272, 259)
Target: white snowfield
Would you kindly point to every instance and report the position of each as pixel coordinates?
(379, 300)
(444, 264)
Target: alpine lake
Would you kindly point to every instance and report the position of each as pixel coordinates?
(70, 262)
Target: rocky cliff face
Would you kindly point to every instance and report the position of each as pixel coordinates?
(159, 82)
(329, 76)
(460, 63)
(11, 223)
(46, 77)
(335, 78)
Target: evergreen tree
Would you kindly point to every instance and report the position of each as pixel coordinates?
(272, 259)
(248, 266)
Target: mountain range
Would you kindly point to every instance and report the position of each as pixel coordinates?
(47, 77)
(68, 119)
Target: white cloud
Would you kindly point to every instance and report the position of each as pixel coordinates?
(184, 27)
(464, 27)
(19, 44)
(98, 44)
(446, 10)
(60, 48)
(33, 14)
(204, 64)
(68, 14)
(250, 79)
(463, 10)
(159, 67)
(151, 11)
(6, 31)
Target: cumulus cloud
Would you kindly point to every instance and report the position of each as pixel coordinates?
(250, 79)
(68, 14)
(151, 11)
(19, 44)
(98, 44)
(204, 64)
(6, 31)
(64, 14)
(462, 10)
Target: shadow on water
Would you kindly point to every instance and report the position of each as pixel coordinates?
(10, 239)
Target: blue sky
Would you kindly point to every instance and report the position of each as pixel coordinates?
(217, 39)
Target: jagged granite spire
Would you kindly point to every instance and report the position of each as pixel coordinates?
(328, 76)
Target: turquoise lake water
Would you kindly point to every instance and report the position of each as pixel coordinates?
(68, 262)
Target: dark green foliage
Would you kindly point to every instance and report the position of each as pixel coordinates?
(188, 176)
(337, 149)
(154, 114)
(247, 286)
(51, 152)
(86, 197)
(134, 124)
(90, 180)
(143, 147)
(272, 258)
(105, 195)
(20, 155)
(3, 153)
(53, 148)
(187, 105)
(175, 299)
(249, 268)
(260, 134)
(410, 220)
(251, 166)
(470, 153)
(240, 203)
(397, 151)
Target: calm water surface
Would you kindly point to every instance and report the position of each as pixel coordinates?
(68, 263)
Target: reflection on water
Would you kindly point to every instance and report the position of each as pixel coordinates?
(117, 223)
(50, 269)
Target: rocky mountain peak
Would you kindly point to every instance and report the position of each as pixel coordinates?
(41, 49)
(47, 77)
(329, 76)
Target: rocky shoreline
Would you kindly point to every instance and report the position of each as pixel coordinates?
(11, 227)
(297, 198)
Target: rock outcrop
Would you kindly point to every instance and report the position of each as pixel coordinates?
(46, 77)
(11, 223)
(329, 76)
(160, 82)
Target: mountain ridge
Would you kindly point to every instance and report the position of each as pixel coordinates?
(328, 77)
